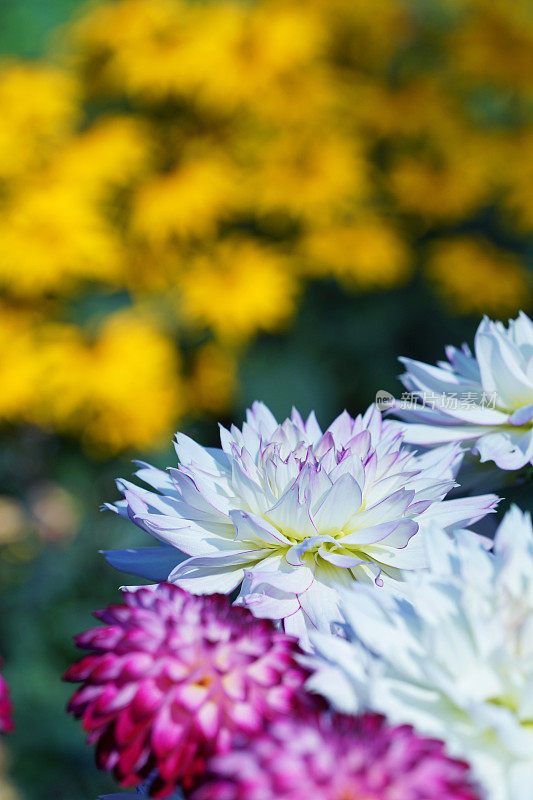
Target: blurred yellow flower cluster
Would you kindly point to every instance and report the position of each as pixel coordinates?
(173, 180)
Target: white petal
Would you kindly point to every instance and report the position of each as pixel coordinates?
(508, 449)
(277, 574)
(261, 419)
(461, 511)
(501, 370)
(434, 379)
(252, 528)
(201, 580)
(440, 434)
(378, 533)
(387, 510)
(321, 601)
(341, 501)
(291, 514)
(412, 557)
(515, 530)
(192, 454)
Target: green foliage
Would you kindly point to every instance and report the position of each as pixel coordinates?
(26, 24)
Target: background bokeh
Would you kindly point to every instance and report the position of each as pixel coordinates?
(204, 203)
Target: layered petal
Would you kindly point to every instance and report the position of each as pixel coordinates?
(171, 679)
(452, 653)
(289, 515)
(483, 400)
(330, 757)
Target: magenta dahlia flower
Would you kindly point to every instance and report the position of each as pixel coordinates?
(336, 757)
(173, 678)
(6, 708)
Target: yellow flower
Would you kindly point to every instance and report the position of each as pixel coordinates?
(53, 376)
(221, 52)
(188, 201)
(92, 388)
(445, 186)
(246, 53)
(475, 276)
(309, 173)
(367, 253)
(237, 288)
(19, 365)
(39, 110)
(108, 155)
(132, 389)
(131, 45)
(51, 236)
(67, 372)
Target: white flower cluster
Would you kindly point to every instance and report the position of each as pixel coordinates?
(349, 537)
(453, 656)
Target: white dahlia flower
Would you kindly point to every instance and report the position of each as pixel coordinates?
(292, 515)
(483, 399)
(455, 659)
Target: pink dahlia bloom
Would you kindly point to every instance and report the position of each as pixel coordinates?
(336, 758)
(173, 677)
(6, 708)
